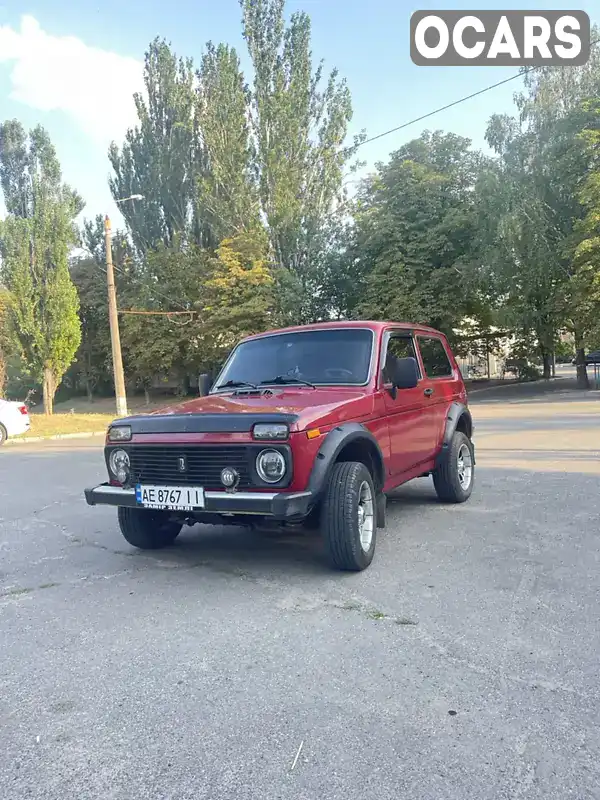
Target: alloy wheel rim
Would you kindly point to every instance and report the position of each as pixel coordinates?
(465, 467)
(366, 516)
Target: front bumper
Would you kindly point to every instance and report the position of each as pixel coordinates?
(278, 505)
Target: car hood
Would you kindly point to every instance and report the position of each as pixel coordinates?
(308, 407)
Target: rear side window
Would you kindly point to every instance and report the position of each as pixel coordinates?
(398, 347)
(435, 359)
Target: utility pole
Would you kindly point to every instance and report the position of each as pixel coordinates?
(113, 317)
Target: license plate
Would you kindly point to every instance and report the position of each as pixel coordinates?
(171, 498)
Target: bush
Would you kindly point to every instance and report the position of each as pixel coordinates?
(522, 369)
(528, 372)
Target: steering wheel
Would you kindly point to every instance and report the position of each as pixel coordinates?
(338, 372)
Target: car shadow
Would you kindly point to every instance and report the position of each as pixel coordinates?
(244, 552)
(247, 552)
(415, 493)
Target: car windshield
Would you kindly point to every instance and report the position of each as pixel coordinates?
(332, 356)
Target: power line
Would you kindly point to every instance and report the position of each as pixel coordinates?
(170, 315)
(157, 313)
(451, 105)
(149, 288)
(140, 283)
(442, 108)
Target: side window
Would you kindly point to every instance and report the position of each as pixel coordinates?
(435, 358)
(398, 347)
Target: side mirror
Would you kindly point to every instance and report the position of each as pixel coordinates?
(204, 384)
(405, 374)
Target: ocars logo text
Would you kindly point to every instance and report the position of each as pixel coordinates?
(500, 38)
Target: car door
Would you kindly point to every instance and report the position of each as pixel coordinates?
(411, 441)
(438, 375)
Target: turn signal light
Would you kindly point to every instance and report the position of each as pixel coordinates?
(313, 434)
(23, 410)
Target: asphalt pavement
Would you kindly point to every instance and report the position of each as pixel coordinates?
(463, 664)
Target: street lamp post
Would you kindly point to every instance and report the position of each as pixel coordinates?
(113, 316)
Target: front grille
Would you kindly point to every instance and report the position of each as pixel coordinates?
(158, 464)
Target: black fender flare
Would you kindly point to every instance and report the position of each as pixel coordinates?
(333, 444)
(456, 412)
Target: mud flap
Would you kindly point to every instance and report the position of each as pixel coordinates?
(380, 509)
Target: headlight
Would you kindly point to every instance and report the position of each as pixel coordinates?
(270, 465)
(270, 430)
(119, 433)
(118, 462)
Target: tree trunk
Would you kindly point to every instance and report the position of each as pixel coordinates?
(547, 361)
(582, 376)
(49, 389)
(147, 395)
(89, 391)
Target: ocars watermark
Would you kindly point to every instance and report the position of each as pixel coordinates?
(500, 38)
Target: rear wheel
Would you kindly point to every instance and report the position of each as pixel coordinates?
(348, 517)
(454, 477)
(148, 530)
(3, 435)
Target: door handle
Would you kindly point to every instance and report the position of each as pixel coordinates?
(428, 392)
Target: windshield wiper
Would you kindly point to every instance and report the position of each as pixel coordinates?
(282, 380)
(236, 385)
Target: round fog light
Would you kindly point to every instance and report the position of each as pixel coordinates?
(230, 477)
(270, 465)
(118, 461)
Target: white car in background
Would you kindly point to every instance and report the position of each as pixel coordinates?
(14, 419)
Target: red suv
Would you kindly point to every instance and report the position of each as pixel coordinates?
(311, 425)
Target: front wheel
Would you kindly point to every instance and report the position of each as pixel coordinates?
(348, 518)
(148, 530)
(453, 479)
(3, 435)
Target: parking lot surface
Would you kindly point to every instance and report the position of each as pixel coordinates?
(463, 664)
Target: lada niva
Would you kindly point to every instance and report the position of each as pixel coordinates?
(310, 426)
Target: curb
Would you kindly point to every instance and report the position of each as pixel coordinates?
(508, 385)
(55, 437)
(491, 388)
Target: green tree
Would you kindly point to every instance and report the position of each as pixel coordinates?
(35, 239)
(299, 126)
(6, 338)
(587, 231)
(215, 158)
(239, 291)
(533, 207)
(415, 224)
(228, 196)
(93, 364)
(162, 157)
(522, 252)
(164, 346)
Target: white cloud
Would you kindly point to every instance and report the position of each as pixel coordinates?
(61, 73)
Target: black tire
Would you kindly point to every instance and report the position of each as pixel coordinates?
(339, 517)
(446, 478)
(3, 435)
(148, 530)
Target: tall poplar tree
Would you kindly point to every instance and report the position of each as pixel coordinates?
(299, 123)
(35, 239)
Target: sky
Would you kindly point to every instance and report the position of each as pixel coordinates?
(73, 67)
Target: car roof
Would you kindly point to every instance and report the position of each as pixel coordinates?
(374, 325)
